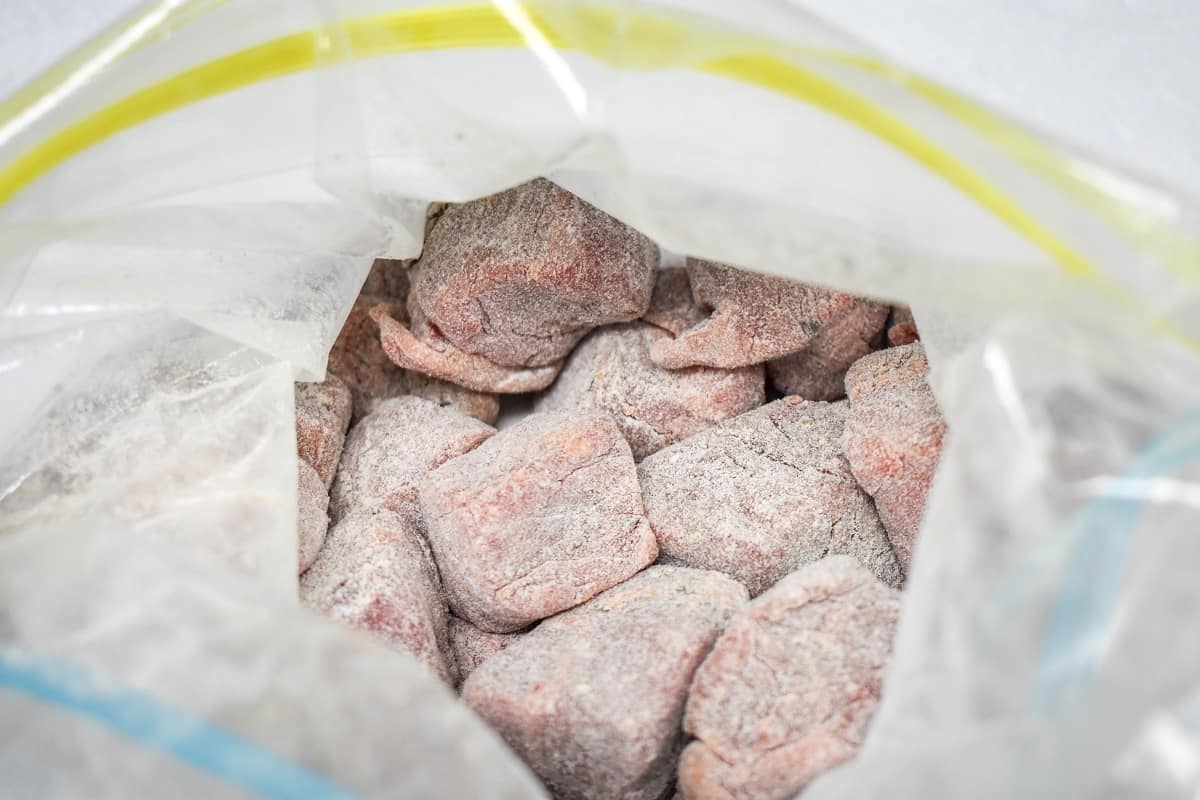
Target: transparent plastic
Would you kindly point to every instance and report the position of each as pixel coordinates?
(189, 204)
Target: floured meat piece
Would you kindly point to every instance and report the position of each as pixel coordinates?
(893, 438)
(472, 646)
(314, 515)
(422, 348)
(672, 307)
(322, 416)
(592, 699)
(762, 494)
(818, 372)
(537, 519)
(902, 328)
(611, 371)
(753, 318)
(519, 277)
(388, 278)
(789, 689)
(375, 574)
(390, 450)
(359, 360)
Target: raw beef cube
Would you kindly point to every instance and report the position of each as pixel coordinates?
(322, 416)
(592, 699)
(894, 438)
(762, 494)
(521, 276)
(375, 573)
(389, 451)
(789, 689)
(541, 517)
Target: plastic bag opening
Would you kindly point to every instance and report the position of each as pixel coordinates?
(188, 207)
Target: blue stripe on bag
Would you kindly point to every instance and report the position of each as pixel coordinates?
(186, 736)
(1087, 601)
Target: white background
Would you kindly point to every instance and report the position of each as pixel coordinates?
(1119, 77)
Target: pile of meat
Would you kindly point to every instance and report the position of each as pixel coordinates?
(660, 580)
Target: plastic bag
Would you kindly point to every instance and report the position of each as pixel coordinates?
(189, 205)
